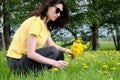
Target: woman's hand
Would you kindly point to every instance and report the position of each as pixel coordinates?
(69, 51)
(60, 64)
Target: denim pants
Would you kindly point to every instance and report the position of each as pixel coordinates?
(25, 63)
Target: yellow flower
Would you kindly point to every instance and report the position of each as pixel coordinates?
(85, 67)
(100, 71)
(83, 64)
(67, 51)
(77, 47)
(105, 66)
(105, 72)
(54, 69)
(113, 68)
(110, 78)
(118, 63)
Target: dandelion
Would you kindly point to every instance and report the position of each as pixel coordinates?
(118, 63)
(110, 78)
(100, 71)
(77, 47)
(54, 69)
(113, 68)
(67, 51)
(84, 66)
(105, 72)
(105, 66)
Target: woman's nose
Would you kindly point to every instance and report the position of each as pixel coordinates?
(58, 14)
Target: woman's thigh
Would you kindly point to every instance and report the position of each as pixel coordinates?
(49, 52)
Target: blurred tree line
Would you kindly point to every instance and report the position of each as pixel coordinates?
(92, 14)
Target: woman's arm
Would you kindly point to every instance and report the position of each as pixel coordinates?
(50, 42)
(31, 45)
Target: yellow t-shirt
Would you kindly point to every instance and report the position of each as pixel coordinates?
(33, 25)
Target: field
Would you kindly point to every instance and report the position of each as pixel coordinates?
(91, 65)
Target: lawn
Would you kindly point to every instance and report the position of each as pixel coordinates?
(106, 46)
(91, 65)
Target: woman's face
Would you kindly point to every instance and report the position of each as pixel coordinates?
(54, 11)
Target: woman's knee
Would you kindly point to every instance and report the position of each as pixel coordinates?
(53, 50)
(61, 56)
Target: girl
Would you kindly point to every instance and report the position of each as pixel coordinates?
(26, 50)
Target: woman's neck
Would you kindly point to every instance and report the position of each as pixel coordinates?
(46, 20)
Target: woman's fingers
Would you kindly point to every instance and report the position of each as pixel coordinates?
(61, 64)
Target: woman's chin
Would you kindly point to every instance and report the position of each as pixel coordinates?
(53, 19)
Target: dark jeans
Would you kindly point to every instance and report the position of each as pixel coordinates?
(25, 64)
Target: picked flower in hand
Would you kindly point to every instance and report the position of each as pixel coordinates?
(77, 47)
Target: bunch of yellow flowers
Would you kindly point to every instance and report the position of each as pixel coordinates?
(77, 47)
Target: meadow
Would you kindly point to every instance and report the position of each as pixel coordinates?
(103, 64)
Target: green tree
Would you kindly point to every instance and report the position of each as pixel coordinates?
(94, 14)
(14, 14)
(112, 20)
(98, 14)
(2, 43)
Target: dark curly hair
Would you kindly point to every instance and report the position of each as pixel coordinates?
(61, 21)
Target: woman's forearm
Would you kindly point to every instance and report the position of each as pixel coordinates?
(40, 59)
(60, 48)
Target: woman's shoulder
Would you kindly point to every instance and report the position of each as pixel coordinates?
(34, 18)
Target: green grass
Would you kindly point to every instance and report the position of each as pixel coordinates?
(103, 45)
(106, 46)
(91, 65)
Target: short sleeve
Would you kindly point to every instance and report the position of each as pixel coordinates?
(35, 28)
